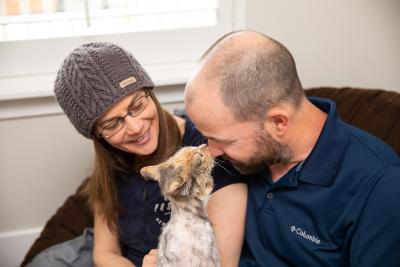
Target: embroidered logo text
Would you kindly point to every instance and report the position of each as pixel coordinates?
(303, 233)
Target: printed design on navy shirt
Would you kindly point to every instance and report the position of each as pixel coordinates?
(301, 232)
(162, 211)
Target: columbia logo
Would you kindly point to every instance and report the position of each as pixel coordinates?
(303, 233)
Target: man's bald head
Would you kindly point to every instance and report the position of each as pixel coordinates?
(251, 73)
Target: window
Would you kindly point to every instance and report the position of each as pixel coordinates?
(34, 19)
(166, 36)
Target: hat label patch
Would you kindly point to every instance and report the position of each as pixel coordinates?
(127, 82)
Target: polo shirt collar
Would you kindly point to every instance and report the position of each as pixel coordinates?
(321, 166)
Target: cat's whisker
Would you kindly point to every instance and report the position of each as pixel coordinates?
(218, 163)
(177, 148)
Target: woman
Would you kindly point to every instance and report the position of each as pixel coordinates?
(108, 97)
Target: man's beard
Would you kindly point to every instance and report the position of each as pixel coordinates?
(269, 152)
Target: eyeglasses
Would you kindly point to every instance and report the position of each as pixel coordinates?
(135, 109)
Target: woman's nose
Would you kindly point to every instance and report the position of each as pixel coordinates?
(133, 125)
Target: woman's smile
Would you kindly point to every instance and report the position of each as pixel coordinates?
(142, 139)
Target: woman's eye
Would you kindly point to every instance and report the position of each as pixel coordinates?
(112, 125)
(136, 108)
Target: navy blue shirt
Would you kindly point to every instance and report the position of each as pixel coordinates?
(144, 210)
(339, 207)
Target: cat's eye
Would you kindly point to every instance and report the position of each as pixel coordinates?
(198, 157)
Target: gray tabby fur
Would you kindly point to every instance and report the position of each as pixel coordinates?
(187, 240)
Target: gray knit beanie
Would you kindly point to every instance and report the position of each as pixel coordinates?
(93, 78)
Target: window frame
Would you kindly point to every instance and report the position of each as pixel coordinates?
(169, 55)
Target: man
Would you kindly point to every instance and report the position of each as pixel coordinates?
(321, 192)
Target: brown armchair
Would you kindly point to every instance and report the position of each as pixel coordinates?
(375, 111)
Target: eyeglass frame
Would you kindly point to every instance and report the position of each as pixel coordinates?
(146, 94)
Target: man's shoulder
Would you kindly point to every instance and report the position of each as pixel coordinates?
(366, 160)
(370, 149)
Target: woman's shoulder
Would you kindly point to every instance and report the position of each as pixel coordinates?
(190, 135)
(181, 122)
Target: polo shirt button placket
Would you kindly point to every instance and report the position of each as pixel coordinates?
(269, 202)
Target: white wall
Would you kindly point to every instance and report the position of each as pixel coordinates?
(42, 161)
(335, 43)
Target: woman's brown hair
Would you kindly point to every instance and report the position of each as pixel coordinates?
(112, 164)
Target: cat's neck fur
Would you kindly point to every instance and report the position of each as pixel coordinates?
(189, 207)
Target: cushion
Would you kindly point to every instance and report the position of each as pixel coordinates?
(373, 110)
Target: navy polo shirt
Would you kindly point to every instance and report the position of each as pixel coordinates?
(144, 210)
(339, 207)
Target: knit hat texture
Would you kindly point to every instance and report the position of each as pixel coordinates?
(93, 78)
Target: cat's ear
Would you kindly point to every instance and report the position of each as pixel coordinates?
(151, 173)
(174, 185)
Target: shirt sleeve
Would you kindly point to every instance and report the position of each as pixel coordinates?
(225, 174)
(376, 241)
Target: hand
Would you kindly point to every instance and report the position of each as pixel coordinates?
(150, 260)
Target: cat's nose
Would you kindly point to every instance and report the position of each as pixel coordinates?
(215, 151)
(204, 147)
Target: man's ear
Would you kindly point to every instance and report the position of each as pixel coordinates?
(151, 173)
(277, 122)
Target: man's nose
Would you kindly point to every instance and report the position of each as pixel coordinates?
(215, 150)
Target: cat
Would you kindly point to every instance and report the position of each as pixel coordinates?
(187, 240)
